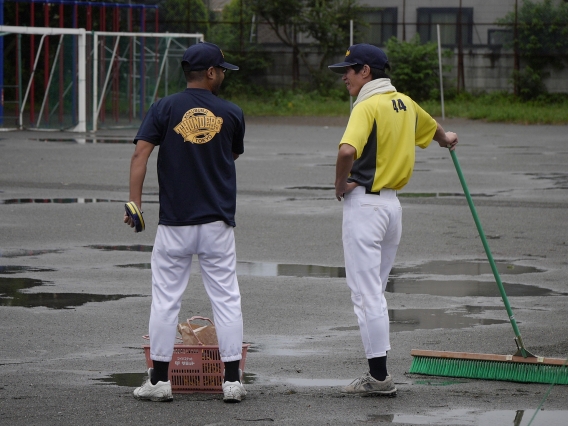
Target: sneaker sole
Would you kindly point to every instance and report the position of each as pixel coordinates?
(389, 394)
(155, 398)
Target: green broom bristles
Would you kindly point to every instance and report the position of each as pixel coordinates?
(491, 370)
(521, 367)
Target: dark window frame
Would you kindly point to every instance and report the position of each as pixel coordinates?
(429, 29)
(508, 36)
(388, 24)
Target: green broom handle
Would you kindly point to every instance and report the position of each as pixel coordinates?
(523, 350)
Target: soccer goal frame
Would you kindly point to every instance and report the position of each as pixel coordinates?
(81, 108)
(82, 63)
(115, 58)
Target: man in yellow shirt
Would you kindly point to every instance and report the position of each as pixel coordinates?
(375, 159)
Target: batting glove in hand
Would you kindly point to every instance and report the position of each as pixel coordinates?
(135, 216)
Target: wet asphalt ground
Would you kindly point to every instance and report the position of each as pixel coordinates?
(75, 284)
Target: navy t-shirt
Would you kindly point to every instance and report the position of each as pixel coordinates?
(197, 134)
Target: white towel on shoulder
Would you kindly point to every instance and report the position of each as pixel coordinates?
(373, 87)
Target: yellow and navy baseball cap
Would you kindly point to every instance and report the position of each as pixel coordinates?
(362, 54)
(203, 55)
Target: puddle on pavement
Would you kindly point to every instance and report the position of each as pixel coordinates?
(464, 288)
(11, 269)
(136, 247)
(560, 180)
(24, 253)
(462, 267)
(249, 378)
(11, 295)
(429, 319)
(274, 269)
(137, 265)
(84, 140)
(59, 201)
(400, 281)
(458, 267)
(269, 269)
(463, 417)
(131, 380)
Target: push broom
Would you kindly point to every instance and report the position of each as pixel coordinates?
(523, 366)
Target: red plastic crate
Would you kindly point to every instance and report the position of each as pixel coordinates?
(196, 369)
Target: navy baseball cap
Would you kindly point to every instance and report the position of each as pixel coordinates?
(203, 55)
(362, 54)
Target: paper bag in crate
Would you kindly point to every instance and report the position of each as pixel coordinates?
(194, 333)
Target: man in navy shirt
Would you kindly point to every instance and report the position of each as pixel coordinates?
(199, 137)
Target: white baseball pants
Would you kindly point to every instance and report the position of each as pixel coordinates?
(372, 226)
(214, 244)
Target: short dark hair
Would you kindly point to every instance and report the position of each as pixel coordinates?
(192, 75)
(375, 73)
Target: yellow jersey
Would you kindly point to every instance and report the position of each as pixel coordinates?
(384, 130)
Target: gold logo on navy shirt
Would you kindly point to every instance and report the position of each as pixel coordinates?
(199, 125)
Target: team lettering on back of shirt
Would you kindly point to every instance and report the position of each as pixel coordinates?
(199, 125)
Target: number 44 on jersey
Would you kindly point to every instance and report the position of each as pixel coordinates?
(397, 105)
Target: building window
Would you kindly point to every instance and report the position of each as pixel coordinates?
(447, 18)
(500, 38)
(380, 25)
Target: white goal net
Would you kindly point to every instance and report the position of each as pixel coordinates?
(71, 79)
(43, 81)
(132, 70)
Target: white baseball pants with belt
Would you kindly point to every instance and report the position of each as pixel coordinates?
(372, 226)
(174, 247)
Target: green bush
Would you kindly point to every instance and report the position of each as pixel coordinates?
(542, 43)
(236, 21)
(530, 83)
(414, 67)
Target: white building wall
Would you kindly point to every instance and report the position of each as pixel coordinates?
(485, 13)
(486, 68)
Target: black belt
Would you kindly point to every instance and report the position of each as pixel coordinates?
(374, 193)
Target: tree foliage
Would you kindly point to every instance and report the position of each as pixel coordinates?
(283, 16)
(184, 16)
(324, 22)
(327, 22)
(541, 42)
(414, 67)
(232, 33)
